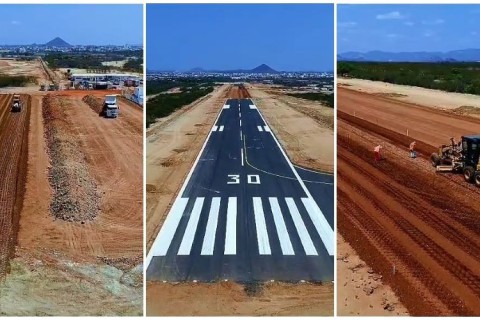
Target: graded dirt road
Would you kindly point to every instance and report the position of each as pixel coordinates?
(416, 228)
(13, 159)
(172, 145)
(113, 153)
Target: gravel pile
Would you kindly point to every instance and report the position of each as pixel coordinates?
(96, 104)
(75, 196)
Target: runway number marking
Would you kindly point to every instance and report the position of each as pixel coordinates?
(235, 179)
(251, 179)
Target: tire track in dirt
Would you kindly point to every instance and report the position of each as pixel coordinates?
(13, 168)
(397, 213)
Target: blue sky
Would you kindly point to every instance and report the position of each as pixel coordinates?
(407, 27)
(76, 24)
(222, 37)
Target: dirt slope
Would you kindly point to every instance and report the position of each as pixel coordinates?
(418, 229)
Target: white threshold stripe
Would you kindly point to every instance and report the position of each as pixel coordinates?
(252, 106)
(170, 225)
(261, 226)
(321, 224)
(158, 240)
(226, 106)
(221, 128)
(189, 235)
(211, 230)
(302, 231)
(267, 128)
(259, 128)
(231, 232)
(214, 128)
(329, 241)
(282, 233)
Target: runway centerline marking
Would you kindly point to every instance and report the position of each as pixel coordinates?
(241, 152)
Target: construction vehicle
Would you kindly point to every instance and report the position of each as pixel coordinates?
(16, 103)
(462, 157)
(42, 87)
(51, 87)
(110, 107)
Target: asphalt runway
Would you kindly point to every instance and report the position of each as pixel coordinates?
(245, 212)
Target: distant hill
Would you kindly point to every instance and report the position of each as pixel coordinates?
(263, 68)
(467, 55)
(58, 42)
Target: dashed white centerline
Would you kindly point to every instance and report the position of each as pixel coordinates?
(240, 122)
(241, 151)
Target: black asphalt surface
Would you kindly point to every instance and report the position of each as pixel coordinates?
(244, 214)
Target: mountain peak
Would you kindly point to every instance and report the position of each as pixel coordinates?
(263, 68)
(58, 42)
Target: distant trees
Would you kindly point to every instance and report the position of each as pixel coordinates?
(15, 81)
(449, 76)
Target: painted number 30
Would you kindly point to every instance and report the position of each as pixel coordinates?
(251, 179)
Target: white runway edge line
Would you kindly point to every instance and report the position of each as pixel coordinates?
(261, 226)
(285, 244)
(172, 227)
(211, 230)
(189, 235)
(322, 226)
(231, 232)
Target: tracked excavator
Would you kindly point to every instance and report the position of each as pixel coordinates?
(462, 157)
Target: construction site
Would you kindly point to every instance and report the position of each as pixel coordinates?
(71, 240)
(409, 221)
(173, 143)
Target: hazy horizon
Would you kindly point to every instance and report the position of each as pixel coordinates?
(77, 24)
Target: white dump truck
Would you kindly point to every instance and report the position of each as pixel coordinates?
(110, 107)
(16, 103)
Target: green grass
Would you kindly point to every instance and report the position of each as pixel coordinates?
(164, 104)
(327, 99)
(452, 77)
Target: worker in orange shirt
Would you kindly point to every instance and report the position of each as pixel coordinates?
(376, 151)
(413, 153)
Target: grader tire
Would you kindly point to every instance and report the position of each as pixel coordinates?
(468, 174)
(435, 159)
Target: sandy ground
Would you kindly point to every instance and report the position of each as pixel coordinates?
(360, 290)
(172, 146)
(304, 128)
(396, 213)
(231, 299)
(89, 268)
(416, 95)
(23, 68)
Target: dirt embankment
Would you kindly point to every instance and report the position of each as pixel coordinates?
(233, 299)
(304, 128)
(75, 195)
(13, 170)
(94, 103)
(416, 228)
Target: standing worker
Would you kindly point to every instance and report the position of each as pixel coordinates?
(376, 151)
(413, 153)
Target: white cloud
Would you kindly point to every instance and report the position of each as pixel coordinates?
(433, 22)
(428, 33)
(15, 22)
(390, 16)
(409, 23)
(347, 24)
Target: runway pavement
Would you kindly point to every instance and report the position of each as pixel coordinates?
(245, 213)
